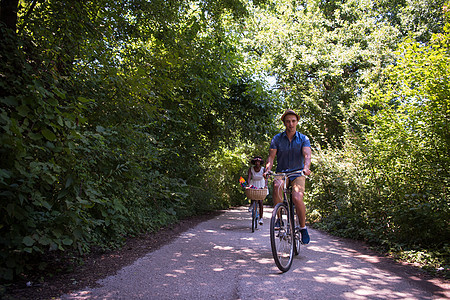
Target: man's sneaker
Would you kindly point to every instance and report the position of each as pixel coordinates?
(261, 221)
(278, 225)
(305, 236)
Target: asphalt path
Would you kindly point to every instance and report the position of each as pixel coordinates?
(222, 259)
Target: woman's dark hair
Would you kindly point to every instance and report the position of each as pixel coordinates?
(257, 158)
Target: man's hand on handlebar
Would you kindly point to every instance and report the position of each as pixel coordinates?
(306, 171)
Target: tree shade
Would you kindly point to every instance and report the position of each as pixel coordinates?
(118, 118)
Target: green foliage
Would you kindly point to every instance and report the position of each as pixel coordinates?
(324, 55)
(389, 183)
(413, 115)
(420, 18)
(108, 114)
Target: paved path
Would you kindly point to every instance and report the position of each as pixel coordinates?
(222, 259)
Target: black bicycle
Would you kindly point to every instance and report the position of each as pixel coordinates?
(285, 237)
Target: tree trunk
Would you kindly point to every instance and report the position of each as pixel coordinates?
(8, 14)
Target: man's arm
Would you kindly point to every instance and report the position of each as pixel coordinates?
(307, 161)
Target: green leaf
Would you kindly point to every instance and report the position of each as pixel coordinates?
(69, 181)
(23, 110)
(67, 241)
(84, 100)
(5, 173)
(11, 101)
(46, 205)
(35, 136)
(52, 101)
(44, 241)
(61, 94)
(15, 127)
(63, 193)
(57, 233)
(28, 241)
(48, 134)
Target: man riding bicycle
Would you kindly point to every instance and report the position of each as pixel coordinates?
(293, 152)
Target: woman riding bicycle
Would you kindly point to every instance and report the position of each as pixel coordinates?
(256, 178)
(293, 152)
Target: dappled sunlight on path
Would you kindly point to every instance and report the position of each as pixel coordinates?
(222, 259)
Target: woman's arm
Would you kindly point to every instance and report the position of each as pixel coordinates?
(249, 176)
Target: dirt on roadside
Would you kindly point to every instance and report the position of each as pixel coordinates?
(97, 265)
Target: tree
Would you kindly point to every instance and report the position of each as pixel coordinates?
(108, 111)
(378, 187)
(324, 56)
(412, 113)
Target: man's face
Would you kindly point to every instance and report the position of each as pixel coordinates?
(290, 121)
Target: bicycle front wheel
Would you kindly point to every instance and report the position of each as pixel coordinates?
(282, 237)
(254, 215)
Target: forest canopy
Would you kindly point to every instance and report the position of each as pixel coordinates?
(121, 117)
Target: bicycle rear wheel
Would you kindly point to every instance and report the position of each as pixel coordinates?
(282, 237)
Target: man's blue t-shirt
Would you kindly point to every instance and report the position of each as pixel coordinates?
(289, 153)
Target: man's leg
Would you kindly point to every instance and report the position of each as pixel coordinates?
(277, 196)
(278, 186)
(298, 191)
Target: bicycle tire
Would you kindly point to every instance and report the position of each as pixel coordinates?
(282, 238)
(297, 236)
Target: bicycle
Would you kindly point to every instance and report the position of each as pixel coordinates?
(255, 195)
(285, 239)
